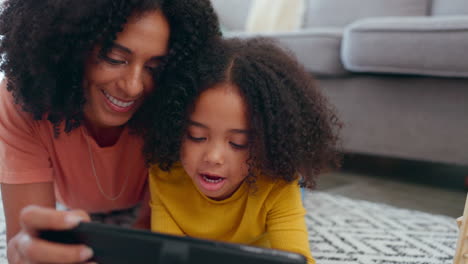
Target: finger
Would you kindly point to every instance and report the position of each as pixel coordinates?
(34, 218)
(13, 253)
(81, 214)
(40, 251)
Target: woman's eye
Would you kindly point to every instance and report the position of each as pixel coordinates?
(153, 65)
(151, 69)
(195, 139)
(238, 146)
(111, 60)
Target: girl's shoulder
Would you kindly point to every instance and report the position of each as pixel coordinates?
(175, 174)
(274, 187)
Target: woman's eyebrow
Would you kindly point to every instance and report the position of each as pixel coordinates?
(120, 47)
(129, 51)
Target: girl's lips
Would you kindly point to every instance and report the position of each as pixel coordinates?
(117, 105)
(211, 182)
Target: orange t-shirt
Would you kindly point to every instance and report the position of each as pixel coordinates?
(29, 153)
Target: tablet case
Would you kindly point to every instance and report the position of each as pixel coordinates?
(118, 245)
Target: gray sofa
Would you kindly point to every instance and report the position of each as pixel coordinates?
(396, 70)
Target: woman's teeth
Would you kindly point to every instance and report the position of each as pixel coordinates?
(118, 102)
(212, 179)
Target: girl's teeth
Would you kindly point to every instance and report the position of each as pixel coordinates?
(211, 180)
(118, 102)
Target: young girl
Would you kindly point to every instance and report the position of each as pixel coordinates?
(248, 126)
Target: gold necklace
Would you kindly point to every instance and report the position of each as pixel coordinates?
(108, 197)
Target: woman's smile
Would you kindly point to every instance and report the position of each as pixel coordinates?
(117, 104)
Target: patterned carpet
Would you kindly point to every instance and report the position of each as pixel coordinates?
(343, 230)
(346, 231)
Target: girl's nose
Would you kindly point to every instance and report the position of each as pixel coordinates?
(215, 155)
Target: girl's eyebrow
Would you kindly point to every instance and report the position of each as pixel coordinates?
(239, 131)
(193, 123)
(234, 130)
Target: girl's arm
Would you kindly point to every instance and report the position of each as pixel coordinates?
(29, 208)
(161, 220)
(286, 225)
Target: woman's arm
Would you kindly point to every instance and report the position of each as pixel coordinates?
(17, 196)
(29, 208)
(143, 220)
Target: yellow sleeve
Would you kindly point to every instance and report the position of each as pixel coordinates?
(286, 225)
(161, 220)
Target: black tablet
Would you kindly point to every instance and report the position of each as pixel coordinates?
(115, 245)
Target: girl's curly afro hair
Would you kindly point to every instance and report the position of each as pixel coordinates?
(45, 44)
(295, 129)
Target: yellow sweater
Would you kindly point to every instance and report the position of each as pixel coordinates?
(272, 216)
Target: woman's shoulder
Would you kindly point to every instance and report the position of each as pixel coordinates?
(12, 115)
(6, 97)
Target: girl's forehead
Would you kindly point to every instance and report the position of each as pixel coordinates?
(221, 106)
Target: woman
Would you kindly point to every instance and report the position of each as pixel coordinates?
(78, 73)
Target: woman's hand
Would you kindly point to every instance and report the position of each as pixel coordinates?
(26, 247)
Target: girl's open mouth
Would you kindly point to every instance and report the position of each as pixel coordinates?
(211, 182)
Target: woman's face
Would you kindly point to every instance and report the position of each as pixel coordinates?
(116, 83)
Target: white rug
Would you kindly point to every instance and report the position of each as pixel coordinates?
(342, 230)
(346, 231)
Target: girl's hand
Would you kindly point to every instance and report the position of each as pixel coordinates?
(26, 247)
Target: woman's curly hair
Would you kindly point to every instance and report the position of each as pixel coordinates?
(45, 44)
(295, 129)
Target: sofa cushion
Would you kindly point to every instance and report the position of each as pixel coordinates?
(449, 7)
(317, 49)
(275, 16)
(232, 14)
(339, 13)
(420, 45)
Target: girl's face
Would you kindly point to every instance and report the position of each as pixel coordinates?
(116, 83)
(215, 147)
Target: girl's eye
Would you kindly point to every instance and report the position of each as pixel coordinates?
(195, 139)
(238, 146)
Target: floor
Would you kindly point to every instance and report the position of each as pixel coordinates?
(428, 187)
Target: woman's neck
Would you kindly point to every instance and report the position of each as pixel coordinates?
(104, 136)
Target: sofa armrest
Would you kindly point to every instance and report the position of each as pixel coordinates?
(435, 46)
(317, 49)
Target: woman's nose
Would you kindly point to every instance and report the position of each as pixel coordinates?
(133, 82)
